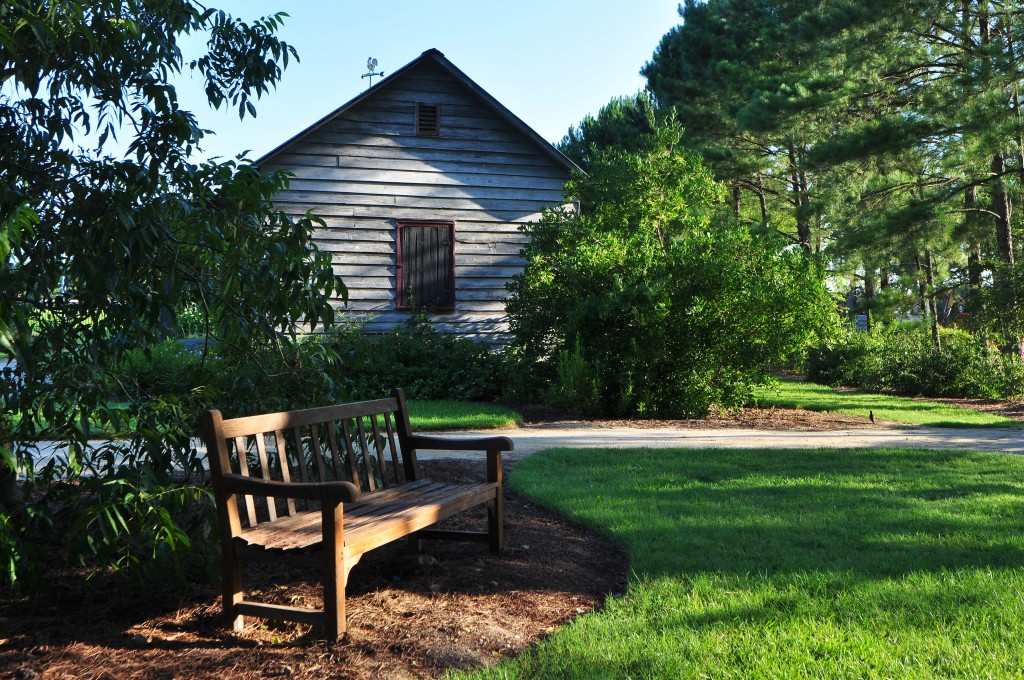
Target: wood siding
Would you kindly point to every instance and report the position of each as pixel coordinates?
(365, 169)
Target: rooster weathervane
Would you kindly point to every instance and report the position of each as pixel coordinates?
(371, 64)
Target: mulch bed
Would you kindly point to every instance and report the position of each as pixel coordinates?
(409, 615)
(745, 418)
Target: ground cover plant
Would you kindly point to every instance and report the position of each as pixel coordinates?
(886, 407)
(790, 563)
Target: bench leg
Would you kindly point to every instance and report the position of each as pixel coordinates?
(496, 507)
(496, 525)
(231, 583)
(335, 572)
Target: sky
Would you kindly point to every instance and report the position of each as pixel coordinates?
(550, 62)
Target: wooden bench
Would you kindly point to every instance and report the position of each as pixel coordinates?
(320, 487)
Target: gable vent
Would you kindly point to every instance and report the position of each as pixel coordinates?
(428, 119)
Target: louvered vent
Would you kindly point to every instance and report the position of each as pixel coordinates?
(428, 119)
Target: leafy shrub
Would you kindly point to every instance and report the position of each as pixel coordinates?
(191, 321)
(652, 300)
(901, 358)
(166, 368)
(426, 363)
(576, 385)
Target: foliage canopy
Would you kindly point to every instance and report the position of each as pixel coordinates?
(101, 244)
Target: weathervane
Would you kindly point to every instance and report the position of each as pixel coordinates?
(371, 64)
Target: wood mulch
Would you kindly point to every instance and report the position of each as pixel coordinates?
(746, 418)
(453, 605)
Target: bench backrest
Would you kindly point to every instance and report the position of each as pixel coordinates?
(353, 442)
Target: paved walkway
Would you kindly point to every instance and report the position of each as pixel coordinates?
(533, 438)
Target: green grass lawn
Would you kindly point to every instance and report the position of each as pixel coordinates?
(450, 415)
(815, 564)
(792, 394)
(460, 415)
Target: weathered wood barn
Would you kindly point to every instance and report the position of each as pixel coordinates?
(423, 181)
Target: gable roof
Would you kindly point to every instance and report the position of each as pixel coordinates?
(436, 57)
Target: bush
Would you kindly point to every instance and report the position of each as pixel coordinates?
(426, 363)
(653, 300)
(901, 359)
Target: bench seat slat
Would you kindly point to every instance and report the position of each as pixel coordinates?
(386, 515)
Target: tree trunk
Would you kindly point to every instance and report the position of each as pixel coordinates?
(798, 183)
(932, 308)
(869, 294)
(1002, 206)
(922, 297)
(762, 200)
(736, 200)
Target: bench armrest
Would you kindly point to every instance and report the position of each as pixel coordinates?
(419, 441)
(327, 492)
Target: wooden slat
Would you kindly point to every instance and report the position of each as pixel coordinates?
(261, 449)
(243, 469)
(440, 535)
(350, 454)
(287, 420)
(371, 483)
(279, 611)
(390, 514)
(316, 451)
(332, 442)
(375, 534)
(378, 443)
(310, 558)
(391, 444)
(286, 473)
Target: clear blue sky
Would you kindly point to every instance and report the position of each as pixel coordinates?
(551, 62)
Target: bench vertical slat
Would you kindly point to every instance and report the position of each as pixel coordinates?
(332, 443)
(317, 452)
(371, 483)
(412, 468)
(286, 472)
(243, 469)
(300, 453)
(391, 443)
(350, 454)
(378, 444)
(261, 449)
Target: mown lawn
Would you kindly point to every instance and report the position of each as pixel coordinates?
(816, 564)
(460, 415)
(792, 394)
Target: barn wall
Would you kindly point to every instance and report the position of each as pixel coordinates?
(366, 169)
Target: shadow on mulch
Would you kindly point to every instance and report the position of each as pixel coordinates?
(409, 615)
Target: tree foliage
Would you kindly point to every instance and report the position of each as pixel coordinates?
(653, 300)
(101, 246)
(886, 136)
